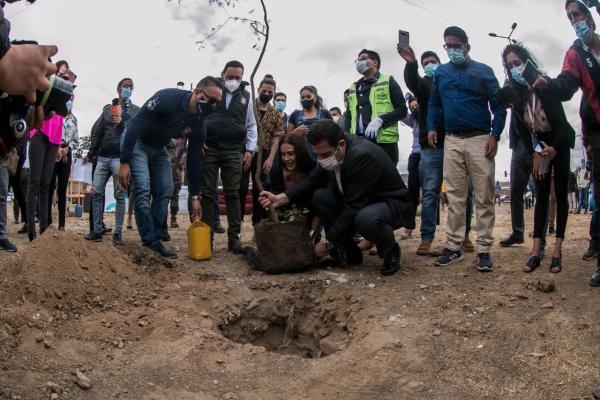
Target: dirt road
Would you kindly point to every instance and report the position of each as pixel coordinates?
(84, 320)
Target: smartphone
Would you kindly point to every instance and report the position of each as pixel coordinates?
(530, 73)
(403, 39)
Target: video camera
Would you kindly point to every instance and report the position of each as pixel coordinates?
(15, 112)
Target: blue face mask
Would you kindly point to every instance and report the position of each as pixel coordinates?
(516, 75)
(126, 93)
(584, 32)
(430, 69)
(457, 56)
(69, 105)
(280, 105)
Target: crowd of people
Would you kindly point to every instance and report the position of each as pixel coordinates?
(339, 164)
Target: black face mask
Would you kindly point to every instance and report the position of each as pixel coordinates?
(205, 108)
(308, 104)
(265, 98)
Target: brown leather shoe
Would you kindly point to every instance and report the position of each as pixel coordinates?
(365, 245)
(424, 248)
(468, 246)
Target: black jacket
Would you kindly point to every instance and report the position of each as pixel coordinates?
(368, 176)
(106, 136)
(4, 32)
(226, 126)
(562, 135)
(421, 88)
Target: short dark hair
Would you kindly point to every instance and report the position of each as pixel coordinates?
(233, 64)
(339, 110)
(61, 63)
(209, 81)
(325, 129)
(280, 94)
(347, 91)
(373, 55)
(122, 81)
(458, 33)
(428, 54)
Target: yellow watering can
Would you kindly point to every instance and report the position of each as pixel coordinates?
(199, 241)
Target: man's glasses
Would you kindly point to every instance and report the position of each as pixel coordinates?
(454, 46)
(211, 100)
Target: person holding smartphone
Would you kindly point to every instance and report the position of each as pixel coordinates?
(549, 137)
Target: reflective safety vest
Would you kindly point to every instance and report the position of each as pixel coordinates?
(381, 103)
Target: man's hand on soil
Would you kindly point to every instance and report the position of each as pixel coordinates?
(268, 199)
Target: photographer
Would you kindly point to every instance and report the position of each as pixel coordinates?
(23, 71)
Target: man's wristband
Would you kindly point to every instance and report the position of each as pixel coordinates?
(196, 198)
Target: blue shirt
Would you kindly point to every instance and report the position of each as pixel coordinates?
(466, 94)
(164, 117)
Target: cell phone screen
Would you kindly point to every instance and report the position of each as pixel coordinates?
(530, 73)
(403, 39)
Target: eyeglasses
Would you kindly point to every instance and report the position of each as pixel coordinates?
(454, 46)
(211, 100)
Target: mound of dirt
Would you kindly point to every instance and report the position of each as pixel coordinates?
(61, 271)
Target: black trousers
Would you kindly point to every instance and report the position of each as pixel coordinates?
(61, 173)
(42, 156)
(414, 182)
(376, 222)
(560, 165)
(258, 213)
(391, 149)
(520, 171)
(20, 195)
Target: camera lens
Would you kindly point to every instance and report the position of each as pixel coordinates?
(56, 97)
(19, 128)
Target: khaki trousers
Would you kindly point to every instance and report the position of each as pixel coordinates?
(465, 158)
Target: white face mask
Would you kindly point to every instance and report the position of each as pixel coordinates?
(232, 85)
(336, 119)
(330, 163)
(362, 66)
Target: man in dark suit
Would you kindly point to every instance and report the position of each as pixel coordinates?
(356, 189)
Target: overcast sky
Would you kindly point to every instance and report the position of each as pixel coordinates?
(313, 42)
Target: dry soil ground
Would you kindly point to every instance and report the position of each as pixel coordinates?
(132, 327)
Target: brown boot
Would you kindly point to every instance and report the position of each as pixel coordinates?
(468, 246)
(365, 245)
(424, 248)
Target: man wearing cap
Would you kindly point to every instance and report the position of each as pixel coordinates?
(375, 105)
(462, 95)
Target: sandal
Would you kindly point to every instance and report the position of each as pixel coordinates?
(532, 263)
(556, 265)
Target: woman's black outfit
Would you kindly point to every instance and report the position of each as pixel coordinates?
(14, 181)
(62, 170)
(561, 137)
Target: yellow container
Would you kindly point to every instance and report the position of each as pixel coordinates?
(199, 245)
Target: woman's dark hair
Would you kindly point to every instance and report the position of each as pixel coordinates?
(521, 52)
(313, 90)
(268, 80)
(280, 94)
(61, 63)
(325, 129)
(304, 161)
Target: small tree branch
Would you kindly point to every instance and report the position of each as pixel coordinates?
(261, 135)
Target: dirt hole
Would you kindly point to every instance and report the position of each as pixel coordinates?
(307, 323)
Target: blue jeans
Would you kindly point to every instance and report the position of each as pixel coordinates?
(152, 189)
(583, 199)
(431, 175)
(431, 170)
(105, 168)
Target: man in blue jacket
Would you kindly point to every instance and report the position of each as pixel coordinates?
(169, 114)
(464, 91)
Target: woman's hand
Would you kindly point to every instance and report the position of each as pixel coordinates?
(301, 130)
(549, 153)
(268, 165)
